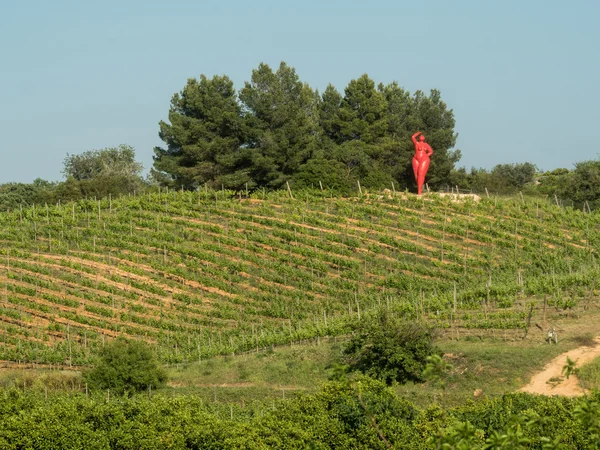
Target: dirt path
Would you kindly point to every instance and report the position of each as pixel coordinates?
(540, 384)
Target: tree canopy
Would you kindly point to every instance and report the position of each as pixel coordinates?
(106, 162)
(93, 173)
(25, 194)
(502, 179)
(98, 173)
(204, 136)
(580, 186)
(126, 366)
(389, 349)
(278, 130)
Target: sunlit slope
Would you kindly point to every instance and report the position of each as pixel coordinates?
(203, 273)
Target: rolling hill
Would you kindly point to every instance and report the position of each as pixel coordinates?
(197, 274)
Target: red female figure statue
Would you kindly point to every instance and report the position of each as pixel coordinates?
(420, 161)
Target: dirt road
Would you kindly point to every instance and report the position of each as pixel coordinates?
(540, 383)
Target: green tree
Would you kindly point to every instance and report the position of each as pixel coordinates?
(397, 146)
(373, 129)
(110, 161)
(389, 349)
(125, 367)
(330, 173)
(583, 184)
(419, 112)
(12, 195)
(554, 181)
(329, 110)
(362, 115)
(270, 132)
(98, 173)
(502, 179)
(203, 137)
(282, 119)
(473, 179)
(511, 177)
(359, 130)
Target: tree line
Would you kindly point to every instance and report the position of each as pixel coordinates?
(277, 129)
(579, 187)
(114, 171)
(93, 173)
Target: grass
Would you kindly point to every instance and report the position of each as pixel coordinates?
(589, 374)
(276, 373)
(490, 368)
(483, 368)
(41, 380)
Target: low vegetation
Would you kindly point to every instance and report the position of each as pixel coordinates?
(125, 367)
(197, 274)
(589, 374)
(389, 349)
(349, 413)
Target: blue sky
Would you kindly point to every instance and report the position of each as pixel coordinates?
(521, 76)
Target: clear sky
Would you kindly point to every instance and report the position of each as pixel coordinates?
(521, 76)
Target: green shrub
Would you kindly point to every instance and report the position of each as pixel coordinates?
(125, 367)
(390, 349)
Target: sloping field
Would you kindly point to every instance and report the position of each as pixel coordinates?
(202, 273)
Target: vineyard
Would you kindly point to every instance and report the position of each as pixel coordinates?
(197, 274)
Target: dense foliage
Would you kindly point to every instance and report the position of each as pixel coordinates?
(15, 195)
(101, 173)
(361, 414)
(501, 179)
(125, 367)
(581, 186)
(277, 129)
(389, 349)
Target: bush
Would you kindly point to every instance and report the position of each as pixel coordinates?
(390, 349)
(125, 367)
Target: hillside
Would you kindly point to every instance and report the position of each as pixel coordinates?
(202, 273)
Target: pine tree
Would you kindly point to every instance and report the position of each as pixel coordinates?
(282, 114)
(203, 137)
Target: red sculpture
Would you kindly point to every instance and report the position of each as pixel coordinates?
(420, 161)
